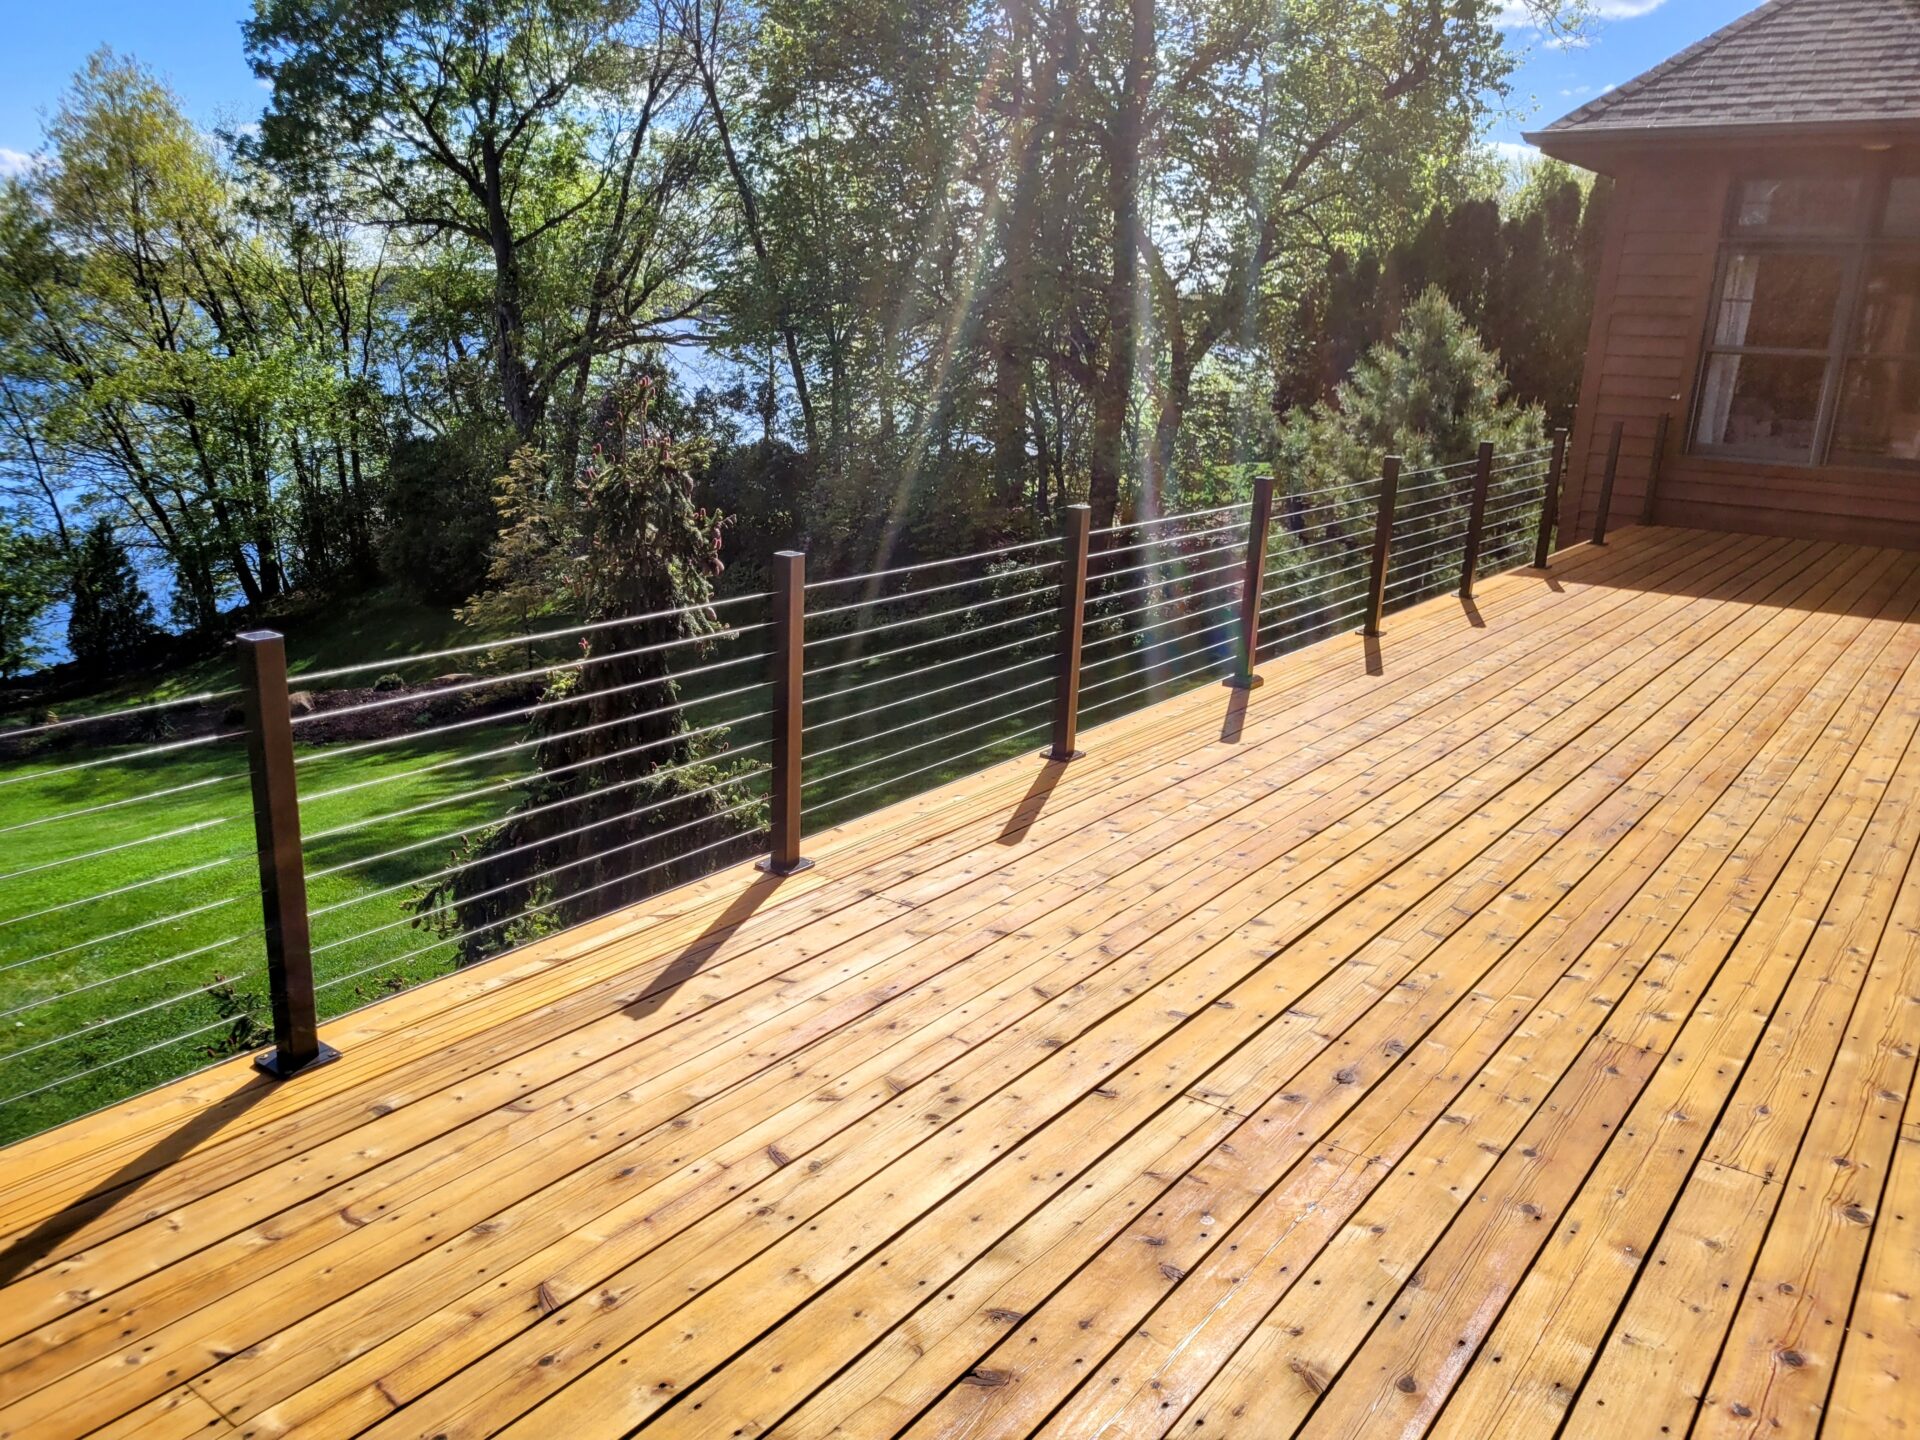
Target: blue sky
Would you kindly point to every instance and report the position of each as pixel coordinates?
(196, 45)
(1624, 38)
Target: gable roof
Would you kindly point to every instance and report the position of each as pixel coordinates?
(1818, 66)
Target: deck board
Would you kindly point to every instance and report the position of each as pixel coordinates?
(1504, 1027)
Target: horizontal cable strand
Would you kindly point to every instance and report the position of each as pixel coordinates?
(900, 595)
(923, 769)
(933, 564)
(613, 789)
(592, 825)
(480, 647)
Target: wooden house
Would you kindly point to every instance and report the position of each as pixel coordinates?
(1756, 329)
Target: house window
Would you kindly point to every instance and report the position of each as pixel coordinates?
(1813, 343)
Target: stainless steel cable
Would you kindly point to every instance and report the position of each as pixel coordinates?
(170, 748)
(122, 934)
(919, 645)
(1151, 587)
(1174, 519)
(893, 780)
(1156, 605)
(534, 742)
(164, 793)
(204, 697)
(988, 604)
(514, 884)
(116, 978)
(1160, 663)
(713, 759)
(539, 672)
(1160, 683)
(117, 1061)
(1176, 560)
(113, 1020)
(411, 737)
(922, 695)
(908, 750)
(531, 910)
(933, 564)
(1165, 541)
(174, 834)
(931, 590)
(1203, 630)
(1322, 597)
(914, 674)
(480, 647)
(116, 891)
(917, 722)
(578, 830)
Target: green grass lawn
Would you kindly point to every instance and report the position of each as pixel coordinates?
(103, 985)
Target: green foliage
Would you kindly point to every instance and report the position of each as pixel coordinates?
(1431, 396)
(111, 617)
(31, 580)
(1521, 268)
(179, 333)
(544, 142)
(627, 549)
(441, 521)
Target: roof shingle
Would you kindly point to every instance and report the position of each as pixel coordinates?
(1790, 62)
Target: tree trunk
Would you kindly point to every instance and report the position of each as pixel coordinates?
(509, 317)
(1113, 387)
(750, 210)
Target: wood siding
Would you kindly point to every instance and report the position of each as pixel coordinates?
(1643, 360)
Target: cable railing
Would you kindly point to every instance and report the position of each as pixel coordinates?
(240, 865)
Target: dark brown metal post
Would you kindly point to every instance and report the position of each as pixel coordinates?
(1476, 518)
(789, 655)
(1550, 501)
(262, 656)
(1074, 541)
(1606, 483)
(1382, 541)
(1653, 470)
(1252, 581)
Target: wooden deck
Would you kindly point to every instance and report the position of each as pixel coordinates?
(1508, 1027)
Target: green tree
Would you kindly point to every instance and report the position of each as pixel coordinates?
(110, 616)
(1431, 395)
(186, 353)
(546, 140)
(619, 764)
(30, 581)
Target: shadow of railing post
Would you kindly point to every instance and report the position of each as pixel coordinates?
(789, 655)
(262, 657)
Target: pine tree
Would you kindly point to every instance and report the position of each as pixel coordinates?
(111, 616)
(619, 765)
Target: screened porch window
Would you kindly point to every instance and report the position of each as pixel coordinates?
(1813, 345)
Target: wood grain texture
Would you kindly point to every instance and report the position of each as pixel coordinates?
(1507, 1027)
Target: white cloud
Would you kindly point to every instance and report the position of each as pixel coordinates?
(1518, 15)
(13, 162)
(1516, 153)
